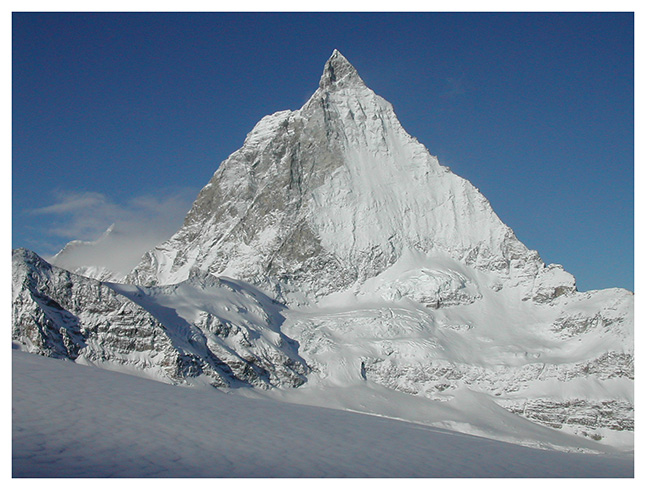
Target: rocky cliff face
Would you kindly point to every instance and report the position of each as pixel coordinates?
(64, 315)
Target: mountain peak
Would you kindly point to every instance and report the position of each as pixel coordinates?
(339, 71)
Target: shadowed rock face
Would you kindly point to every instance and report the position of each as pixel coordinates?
(60, 314)
(252, 217)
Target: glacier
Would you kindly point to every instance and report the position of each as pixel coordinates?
(333, 261)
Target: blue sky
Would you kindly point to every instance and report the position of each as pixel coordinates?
(124, 117)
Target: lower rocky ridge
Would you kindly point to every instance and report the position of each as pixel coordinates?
(583, 416)
(60, 314)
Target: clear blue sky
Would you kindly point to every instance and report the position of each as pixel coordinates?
(119, 111)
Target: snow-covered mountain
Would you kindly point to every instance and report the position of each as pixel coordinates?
(334, 259)
(95, 259)
(120, 248)
(321, 199)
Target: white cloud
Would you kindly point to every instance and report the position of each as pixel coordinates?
(140, 223)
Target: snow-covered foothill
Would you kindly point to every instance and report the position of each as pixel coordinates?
(104, 259)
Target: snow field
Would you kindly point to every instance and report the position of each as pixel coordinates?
(79, 421)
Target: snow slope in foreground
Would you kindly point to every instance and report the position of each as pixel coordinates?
(79, 421)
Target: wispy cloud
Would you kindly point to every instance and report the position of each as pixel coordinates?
(71, 202)
(455, 87)
(140, 223)
(82, 215)
(86, 215)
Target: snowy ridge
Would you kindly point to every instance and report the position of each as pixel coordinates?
(60, 314)
(565, 369)
(518, 359)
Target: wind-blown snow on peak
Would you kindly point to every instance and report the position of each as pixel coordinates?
(320, 199)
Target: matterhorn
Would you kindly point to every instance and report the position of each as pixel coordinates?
(322, 199)
(333, 261)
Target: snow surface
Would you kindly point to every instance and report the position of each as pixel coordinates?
(79, 421)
